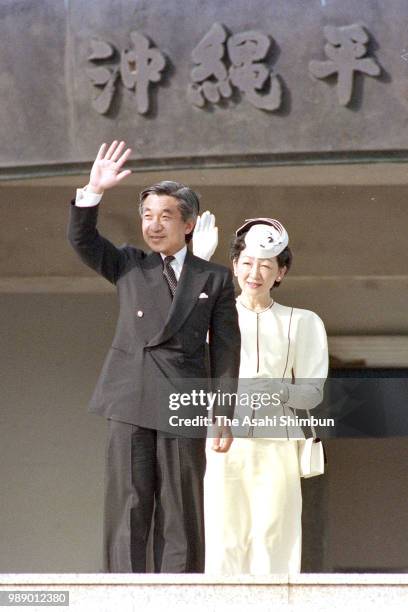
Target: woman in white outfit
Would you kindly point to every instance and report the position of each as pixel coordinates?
(253, 501)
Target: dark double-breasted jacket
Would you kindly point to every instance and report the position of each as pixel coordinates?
(159, 346)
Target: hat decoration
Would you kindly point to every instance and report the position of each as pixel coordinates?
(265, 238)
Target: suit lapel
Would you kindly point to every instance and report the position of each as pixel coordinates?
(191, 282)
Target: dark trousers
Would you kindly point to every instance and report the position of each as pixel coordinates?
(150, 473)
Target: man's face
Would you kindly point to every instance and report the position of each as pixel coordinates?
(163, 228)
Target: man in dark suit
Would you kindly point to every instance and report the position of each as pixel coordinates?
(169, 300)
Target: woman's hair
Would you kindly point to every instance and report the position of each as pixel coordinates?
(284, 258)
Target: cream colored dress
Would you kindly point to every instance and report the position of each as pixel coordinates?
(253, 501)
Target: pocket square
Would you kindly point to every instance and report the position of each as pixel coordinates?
(202, 296)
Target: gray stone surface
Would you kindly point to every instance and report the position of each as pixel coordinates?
(35, 112)
(130, 593)
(47, 115)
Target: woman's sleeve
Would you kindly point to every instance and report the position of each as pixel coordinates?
(310, 364)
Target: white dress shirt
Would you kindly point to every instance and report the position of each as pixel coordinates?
(86, 198)
(178, 261)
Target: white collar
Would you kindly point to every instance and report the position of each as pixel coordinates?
(179, 256)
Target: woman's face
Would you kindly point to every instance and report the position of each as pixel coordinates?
(256, 277)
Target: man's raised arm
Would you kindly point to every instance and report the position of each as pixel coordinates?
(95, 250)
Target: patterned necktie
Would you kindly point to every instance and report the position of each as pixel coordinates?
(169, 274)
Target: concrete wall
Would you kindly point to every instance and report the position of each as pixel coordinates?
(52, 455)
(366, 508)
(57, 323)
(52, 452)
(350, 252)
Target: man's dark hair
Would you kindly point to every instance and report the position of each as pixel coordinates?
(188, 200)
(238, 245)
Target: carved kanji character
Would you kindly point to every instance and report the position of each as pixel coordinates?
(139, 66)
(345, 50)
(245, 50)
(102, 76)
(210, 76)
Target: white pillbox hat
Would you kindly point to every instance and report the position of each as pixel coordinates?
(265, 237)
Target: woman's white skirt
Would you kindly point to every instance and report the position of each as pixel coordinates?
(253, 507)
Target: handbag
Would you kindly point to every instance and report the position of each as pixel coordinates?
(311, 455)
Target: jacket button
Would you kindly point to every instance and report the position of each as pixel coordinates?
(140, 313)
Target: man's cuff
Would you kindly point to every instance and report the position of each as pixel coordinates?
(85, 198)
